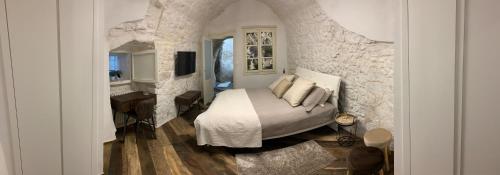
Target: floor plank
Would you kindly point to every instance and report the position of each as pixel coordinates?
(156, 148)
(147, 165)
(116, 159)
(132, 155)
(175, 151)
(107, 155)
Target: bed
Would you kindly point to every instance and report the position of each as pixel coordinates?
(245, 117)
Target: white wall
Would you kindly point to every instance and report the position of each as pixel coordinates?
(36, 82)
(76, 66)
(50, 68)
(481, 97)
(250, 13)
(373, 19)
(118, 11)
(6, 159)
(432, 82)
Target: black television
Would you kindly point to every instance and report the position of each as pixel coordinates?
(185, 63)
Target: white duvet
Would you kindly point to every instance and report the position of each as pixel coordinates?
(218, 126)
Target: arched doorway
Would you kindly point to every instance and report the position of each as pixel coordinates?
(223, 67)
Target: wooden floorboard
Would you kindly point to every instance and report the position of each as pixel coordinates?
(147, 165)
(115, 160)
(156, 148)
(132, 155)
(175, 151)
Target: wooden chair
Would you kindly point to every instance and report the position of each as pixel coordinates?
(143, 112)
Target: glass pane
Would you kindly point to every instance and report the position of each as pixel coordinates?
(114, 63)
(266, 38)
(251, 38)
(252, 51)
(267, 63)
(252, 64)
(267, 51)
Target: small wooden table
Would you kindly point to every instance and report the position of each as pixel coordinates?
(186, 99)
(346, 120)
(126, 103)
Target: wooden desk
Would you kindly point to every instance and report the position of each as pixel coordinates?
(126, 103)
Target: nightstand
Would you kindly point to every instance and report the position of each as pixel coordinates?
(187, 99)
(344, 137)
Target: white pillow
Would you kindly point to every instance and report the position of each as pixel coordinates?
(299, 90)
(276, 82)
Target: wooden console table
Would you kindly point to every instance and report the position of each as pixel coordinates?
(186, 99)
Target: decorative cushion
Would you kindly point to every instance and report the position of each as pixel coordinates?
(281, 88)
(276, 82)
(325, 97)
(299, 90)
(313, 98)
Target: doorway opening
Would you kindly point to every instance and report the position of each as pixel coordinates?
(223, 67)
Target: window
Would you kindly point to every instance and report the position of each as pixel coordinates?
(119, 67)
(259, 46)
(114, 65)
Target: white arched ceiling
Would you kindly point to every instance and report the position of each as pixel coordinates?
(373, 19)
(119, 11)
(314, 41)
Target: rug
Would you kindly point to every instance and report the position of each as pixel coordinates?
(301, 159)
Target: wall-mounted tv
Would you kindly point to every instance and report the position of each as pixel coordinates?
(185, 63)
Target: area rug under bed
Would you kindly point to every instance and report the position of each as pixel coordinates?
(301, 159)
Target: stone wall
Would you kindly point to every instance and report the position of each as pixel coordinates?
(173, 25)
(319, 43)
(314, 41)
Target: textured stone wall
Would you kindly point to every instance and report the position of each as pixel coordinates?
(314, 41)
(319, 43)
(173, 25)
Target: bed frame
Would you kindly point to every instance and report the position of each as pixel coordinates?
(322, 80)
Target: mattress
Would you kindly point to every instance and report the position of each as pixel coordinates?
(279, 119)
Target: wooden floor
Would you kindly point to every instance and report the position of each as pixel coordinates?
(175, 151)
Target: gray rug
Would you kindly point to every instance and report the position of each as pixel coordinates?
(301, 159)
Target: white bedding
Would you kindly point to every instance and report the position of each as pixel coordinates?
(218, 126)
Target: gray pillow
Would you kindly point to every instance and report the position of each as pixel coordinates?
(313, 98)
(326, 96)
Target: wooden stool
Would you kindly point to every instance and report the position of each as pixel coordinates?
(379, 138)
(365, 160)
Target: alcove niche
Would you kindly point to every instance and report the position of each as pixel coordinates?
(133, 66)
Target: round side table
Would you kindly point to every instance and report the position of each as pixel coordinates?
(344, 137)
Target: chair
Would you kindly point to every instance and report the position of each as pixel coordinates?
(143, 112)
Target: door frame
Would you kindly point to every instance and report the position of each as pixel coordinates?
(9, 86)
(224, 35)
(212, 37)
(404, 90)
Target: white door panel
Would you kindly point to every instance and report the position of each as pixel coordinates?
(208, 77)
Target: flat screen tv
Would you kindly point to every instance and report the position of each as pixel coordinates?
(185, 63)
